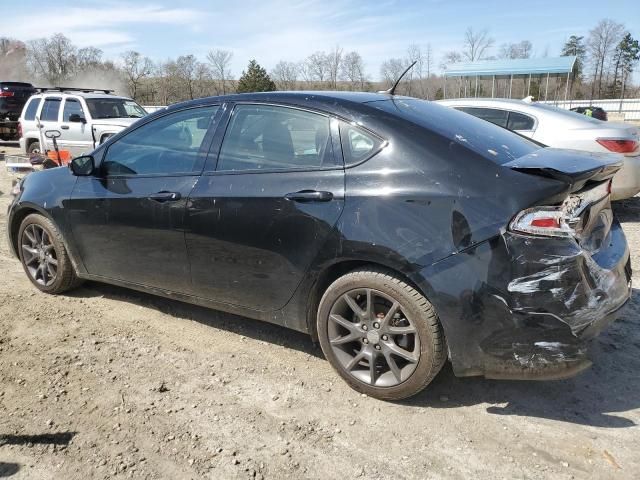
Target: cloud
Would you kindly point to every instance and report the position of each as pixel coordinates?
(98, 26)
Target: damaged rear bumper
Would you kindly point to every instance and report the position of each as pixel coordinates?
(524, 307)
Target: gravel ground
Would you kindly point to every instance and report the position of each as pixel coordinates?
(107, 382)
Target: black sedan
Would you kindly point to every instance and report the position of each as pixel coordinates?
(397, 232)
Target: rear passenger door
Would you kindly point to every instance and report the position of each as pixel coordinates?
(256, 220)
(50, 119)
(76, 135)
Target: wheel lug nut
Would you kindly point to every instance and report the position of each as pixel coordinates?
(385, 338)
(377, 347)
(365, 341)
(364, 327)
(376, 325)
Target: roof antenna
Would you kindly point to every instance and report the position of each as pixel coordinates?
(392, 90)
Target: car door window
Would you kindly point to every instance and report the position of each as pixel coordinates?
(32, 108)
(265, 137)
(493, 115)
(71, 107)
(357, 144)
(167, 145)
(50, 109)
(520, 121)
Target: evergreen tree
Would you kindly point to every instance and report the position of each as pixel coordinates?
(255, 79)
(626, 56)
(575, 47)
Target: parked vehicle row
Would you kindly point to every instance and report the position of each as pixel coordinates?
(560, 128)
(399, 233)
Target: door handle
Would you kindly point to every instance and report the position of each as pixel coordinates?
(162, 197)
(309, 196)
(64, 127)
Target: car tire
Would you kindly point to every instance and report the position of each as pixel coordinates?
(34, 147)
(372, 333)
(44, 256)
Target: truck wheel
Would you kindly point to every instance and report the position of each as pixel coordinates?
(380, 334)
(34, 147)
(44, 257)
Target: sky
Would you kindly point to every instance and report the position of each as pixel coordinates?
(273, 30)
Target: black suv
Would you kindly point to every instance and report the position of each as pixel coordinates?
(13, 96)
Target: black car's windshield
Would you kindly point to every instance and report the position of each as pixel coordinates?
(492, 142)
(114, 108)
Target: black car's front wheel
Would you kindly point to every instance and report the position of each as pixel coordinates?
(380, 334)
(44, 256)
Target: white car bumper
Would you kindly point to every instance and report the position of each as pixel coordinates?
(626, 183)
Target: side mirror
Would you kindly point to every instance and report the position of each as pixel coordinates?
(75, 118)
(82, 166)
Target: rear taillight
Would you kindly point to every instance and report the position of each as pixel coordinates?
(562, 221)
(6, 94)
(19, 130)
(547, 221)
(618, 145)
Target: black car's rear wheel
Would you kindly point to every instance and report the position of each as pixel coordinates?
(380, 334)
(44, 256)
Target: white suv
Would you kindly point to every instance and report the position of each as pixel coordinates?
(84, 117)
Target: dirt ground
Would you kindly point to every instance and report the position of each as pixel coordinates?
(107, 382)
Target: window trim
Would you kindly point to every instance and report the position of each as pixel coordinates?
(231, 108)
(202, 152)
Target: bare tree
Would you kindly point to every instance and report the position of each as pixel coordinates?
(476, 44)
(317, 67)
(516, 50)
(220, 61)
(53, 59)
(391, 69)
(285, 74)
(136, 68)
(450, 58)
(186, 66)
(334, 62)
(352, 70)
(601, 43)
(13, 55)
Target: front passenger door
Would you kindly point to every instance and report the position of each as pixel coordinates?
(128, 220)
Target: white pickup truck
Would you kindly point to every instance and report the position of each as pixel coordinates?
(84, 117)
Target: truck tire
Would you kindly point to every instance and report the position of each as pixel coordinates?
(34, 147)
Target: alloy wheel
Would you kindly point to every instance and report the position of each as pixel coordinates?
(39, 255)
(373, 338)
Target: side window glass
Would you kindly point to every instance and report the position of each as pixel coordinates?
(520, 121)
(32, 108)
(50, 109)
(357, 144)
(261, 137)
(71, 107)
(167, 145)
(497, 117)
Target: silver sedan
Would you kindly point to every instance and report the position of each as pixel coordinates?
(560, 128)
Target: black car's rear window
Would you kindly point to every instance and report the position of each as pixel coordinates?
(492, 142)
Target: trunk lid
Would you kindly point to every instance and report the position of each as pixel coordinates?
(573, 167)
